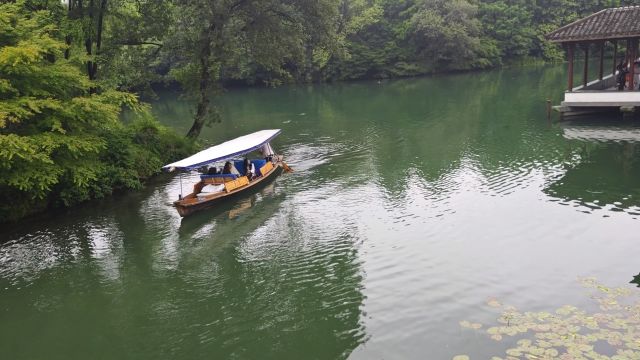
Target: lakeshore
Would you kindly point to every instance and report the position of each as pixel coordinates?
(413, 202)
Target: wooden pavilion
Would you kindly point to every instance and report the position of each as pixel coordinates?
(618, 27)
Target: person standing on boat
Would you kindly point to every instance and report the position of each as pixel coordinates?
(267, 152)
(249, 169)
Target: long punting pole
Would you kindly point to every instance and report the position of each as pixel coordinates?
(585, 75)
(570, 49)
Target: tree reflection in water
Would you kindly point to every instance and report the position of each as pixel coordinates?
(604, 169)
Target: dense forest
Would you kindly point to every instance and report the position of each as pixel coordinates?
(69, 68)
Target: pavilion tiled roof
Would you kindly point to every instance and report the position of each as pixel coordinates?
(607, 24)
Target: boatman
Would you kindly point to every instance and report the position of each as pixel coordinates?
(250, 169)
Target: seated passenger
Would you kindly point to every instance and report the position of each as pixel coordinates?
(230, 169)
(227, 168)
(212, 171)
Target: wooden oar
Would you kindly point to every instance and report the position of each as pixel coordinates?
(286, 167)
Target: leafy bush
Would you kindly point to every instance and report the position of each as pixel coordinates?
(61, 141)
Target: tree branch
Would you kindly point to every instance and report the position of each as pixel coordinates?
(138, 43)
(237, 5)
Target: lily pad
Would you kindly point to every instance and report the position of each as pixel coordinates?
(461, 357)
(571, 333)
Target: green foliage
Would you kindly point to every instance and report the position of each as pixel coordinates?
(256, 40)
(269, 41)
(446, 34)
(134, 33)
(385, 38)
(510, 26)
(61, 144)
(63, 70)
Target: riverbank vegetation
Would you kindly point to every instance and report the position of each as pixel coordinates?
(207, 45)
(69, 68)
(61, 137)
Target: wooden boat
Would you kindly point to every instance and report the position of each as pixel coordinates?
(224, 186)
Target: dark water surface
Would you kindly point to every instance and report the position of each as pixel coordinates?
(412, 203)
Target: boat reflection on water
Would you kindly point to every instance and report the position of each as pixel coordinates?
(224, 273)
(241, 208)
(604, 168)
(233, 209)
(267, 280)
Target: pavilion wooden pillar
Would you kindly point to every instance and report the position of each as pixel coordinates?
(633, 55)
(570, 49)
(601, 72)
(615, 56)
(629, 64)
(585, 74)
(634, 45)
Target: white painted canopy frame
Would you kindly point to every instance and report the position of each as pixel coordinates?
(227, 150)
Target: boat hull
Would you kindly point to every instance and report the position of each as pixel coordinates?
(190, 205)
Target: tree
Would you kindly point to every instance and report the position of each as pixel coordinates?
(509, 24)
(371, 46)
(60, 141)
(87, 24)
(120, 39)
(230, 38)
(447, 34)
(132, 42)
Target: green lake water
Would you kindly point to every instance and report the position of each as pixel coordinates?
(412, 203)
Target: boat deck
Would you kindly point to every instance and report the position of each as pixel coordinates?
(194, 201)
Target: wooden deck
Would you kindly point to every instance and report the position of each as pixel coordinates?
(599, 96)
(604, 98)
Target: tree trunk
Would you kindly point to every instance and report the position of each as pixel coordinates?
(205, 86)
(67, 38)
(103, 9)
(308, 68)
(92, 65)
(88, 44)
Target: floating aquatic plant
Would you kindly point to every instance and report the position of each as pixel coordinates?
(570, 333)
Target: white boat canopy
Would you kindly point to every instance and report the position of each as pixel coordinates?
(226, 150)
